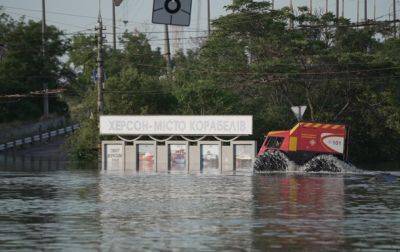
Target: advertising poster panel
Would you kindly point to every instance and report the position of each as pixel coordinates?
(146, 157)
(210, 155)
(177, 157)
(243, 156)
(114, 155)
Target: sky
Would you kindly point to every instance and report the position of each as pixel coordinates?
(137, 16)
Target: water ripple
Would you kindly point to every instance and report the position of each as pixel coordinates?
(72, 210)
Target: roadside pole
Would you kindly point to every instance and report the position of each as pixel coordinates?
(100, 67)
(167, 48)
(337, 9)
(114, 26)
(342, 8)
(209, 17)
(45, 86)
(326, 6)
(115, 3)
(291, 24)
(394, 18)
(374, 10)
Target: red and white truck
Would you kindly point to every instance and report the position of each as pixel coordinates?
(303, 144)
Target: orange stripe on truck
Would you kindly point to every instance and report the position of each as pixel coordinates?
(295, 128)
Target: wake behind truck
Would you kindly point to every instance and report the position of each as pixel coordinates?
(313, 145)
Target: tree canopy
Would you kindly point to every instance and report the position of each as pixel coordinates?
(256, 61)
(24, 68)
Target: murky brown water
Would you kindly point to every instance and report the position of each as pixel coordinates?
(88, 210)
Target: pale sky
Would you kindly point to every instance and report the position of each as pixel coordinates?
(138, 14)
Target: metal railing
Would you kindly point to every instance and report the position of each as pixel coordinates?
(38, 138)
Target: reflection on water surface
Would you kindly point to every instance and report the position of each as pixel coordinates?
(78, 210)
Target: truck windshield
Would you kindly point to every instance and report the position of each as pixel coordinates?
(274, 142)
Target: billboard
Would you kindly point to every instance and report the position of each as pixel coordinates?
(177, 125)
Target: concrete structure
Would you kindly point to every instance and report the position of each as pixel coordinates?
(183, 153)
(46, 136)
(180, 156)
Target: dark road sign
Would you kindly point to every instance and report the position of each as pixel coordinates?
(172, 12)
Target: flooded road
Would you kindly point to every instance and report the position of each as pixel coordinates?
(89, 210)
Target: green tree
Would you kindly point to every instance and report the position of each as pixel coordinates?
(261, 62)
(24, 69)
(270, 60)
(134, 85)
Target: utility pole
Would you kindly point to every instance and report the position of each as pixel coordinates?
(167, 48)
(374, 10)
(115, 3)
(337, 9)
(342, 8)
(358, 11)
(311, 7)
(291, 25)
(45, 86)
(209, 17)
(326, 6)
(273, 4)
(365, 10)
(114, 26)
(100, 67)
(394, 18)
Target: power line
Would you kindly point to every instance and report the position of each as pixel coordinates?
(56, 92)
(62, 13)
(57, 22)
(238, 17)
(143, 32)
(39, 93)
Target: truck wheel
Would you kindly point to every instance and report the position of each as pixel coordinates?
(275, 161)
(324, 163)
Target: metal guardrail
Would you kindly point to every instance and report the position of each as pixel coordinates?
(39, 137)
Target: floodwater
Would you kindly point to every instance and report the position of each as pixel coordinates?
(53, 208)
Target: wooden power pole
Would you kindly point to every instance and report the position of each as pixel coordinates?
(209, 17)
(167, 48)
(365, 10)
(100, 67)
(337, 9)
(45, 85)
(394, 18)
(291, 24)
(342, 8)
(326, 6)
(114, 26)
